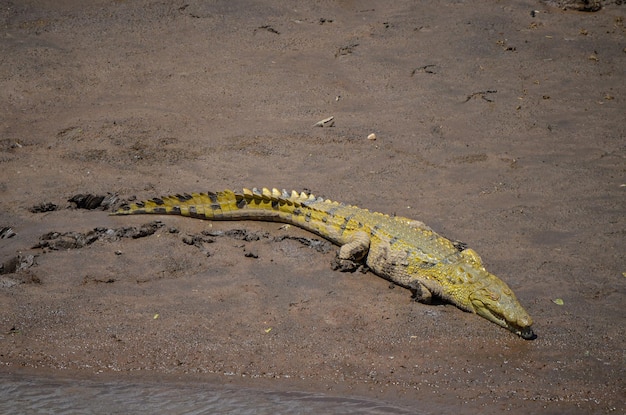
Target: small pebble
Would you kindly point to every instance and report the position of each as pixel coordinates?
(371, 137)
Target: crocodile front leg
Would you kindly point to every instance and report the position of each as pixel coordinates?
(420, 292)
(352, 253)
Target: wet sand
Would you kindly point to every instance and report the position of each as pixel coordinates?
(500, 124)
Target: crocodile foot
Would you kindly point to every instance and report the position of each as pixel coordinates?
(345, 265)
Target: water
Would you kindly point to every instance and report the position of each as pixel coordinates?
(30, 395)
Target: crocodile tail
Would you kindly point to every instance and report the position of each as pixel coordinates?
(265, 204)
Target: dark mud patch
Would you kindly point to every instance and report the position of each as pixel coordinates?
(87, 201)
(90, 202)
(17, 264)
(16, 270)
(7, 232)
(579, 5)
(56, 241)
(43, 207)
(203, 238)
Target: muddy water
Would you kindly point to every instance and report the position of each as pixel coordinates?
(21, 395)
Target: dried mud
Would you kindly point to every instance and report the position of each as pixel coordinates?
(500, 124)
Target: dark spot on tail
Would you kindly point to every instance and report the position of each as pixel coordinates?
(241, 202)
(159, 210)
(183, 198)
(274, 204)
(158, 201)
(193, 212)
(140, 204)
(213, 197)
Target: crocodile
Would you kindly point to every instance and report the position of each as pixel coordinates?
(404, 251)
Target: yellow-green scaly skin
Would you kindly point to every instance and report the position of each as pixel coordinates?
(401, 250)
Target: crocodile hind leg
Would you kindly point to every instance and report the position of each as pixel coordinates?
(352, 253)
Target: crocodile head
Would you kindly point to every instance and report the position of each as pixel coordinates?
(498, 304)
(490, 297)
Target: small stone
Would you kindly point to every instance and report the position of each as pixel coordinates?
(371, 137)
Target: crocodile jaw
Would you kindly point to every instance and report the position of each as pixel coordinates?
(516, 320)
